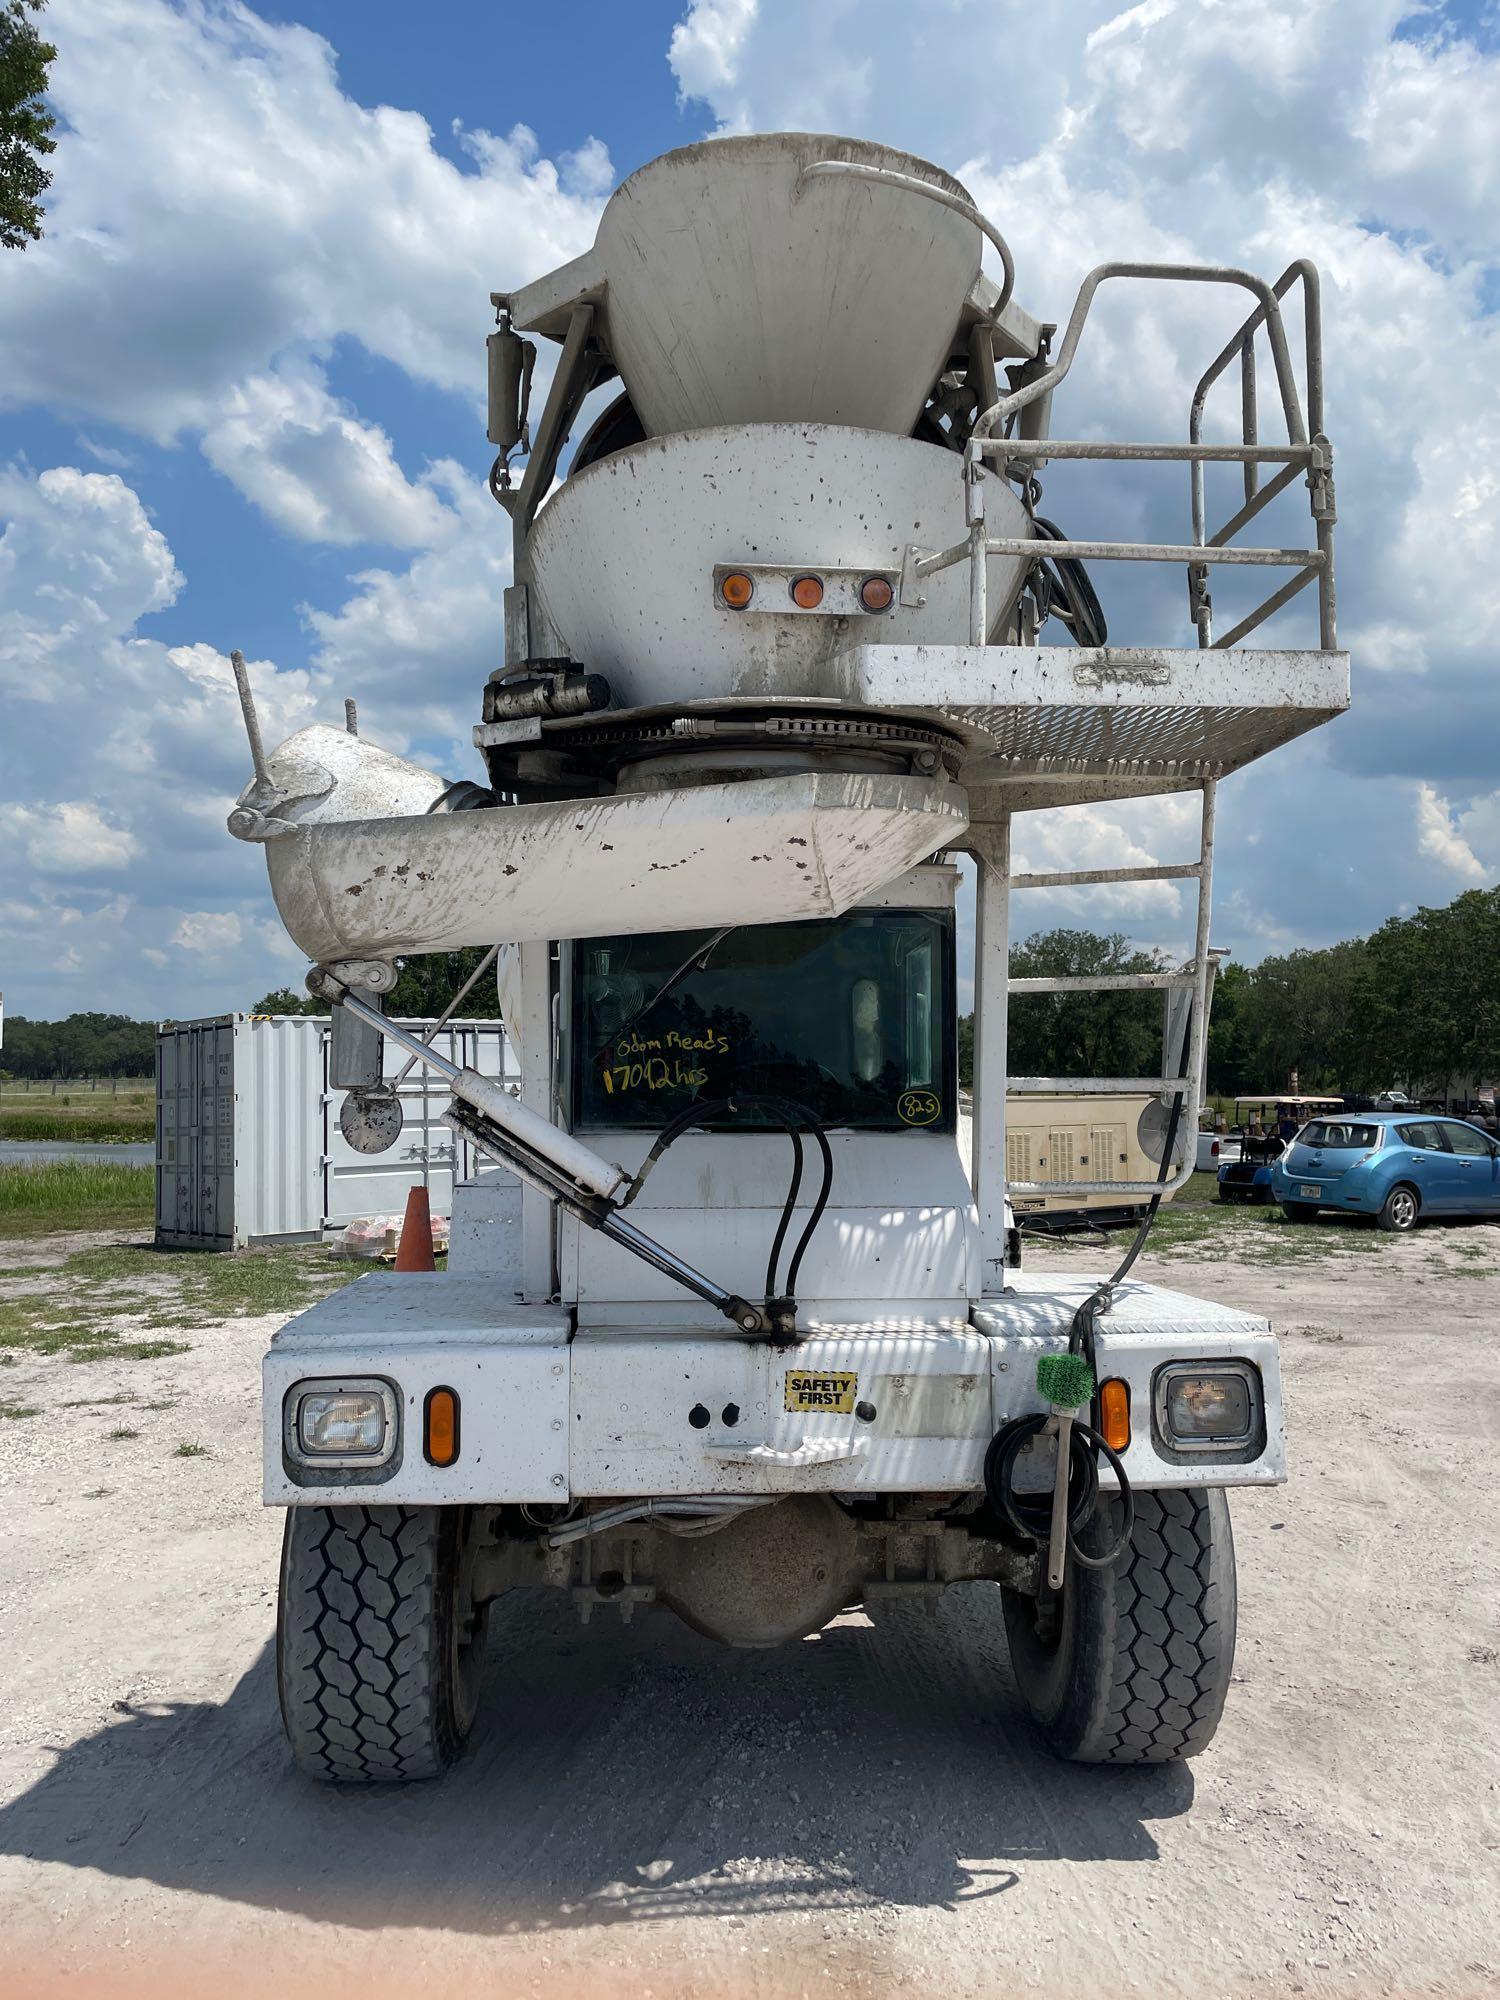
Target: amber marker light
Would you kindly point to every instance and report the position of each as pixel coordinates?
(1114, 1414)
(440, 1427)
(875, 594)
(807, 592)
(736, 590)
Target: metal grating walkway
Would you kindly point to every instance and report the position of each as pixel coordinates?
(1112, 712)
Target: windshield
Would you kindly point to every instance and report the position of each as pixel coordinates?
(1338, 1132)
(851, 1017)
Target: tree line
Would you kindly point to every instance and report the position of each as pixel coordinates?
(82, 1045)
(421, 992)
(1414, 1006)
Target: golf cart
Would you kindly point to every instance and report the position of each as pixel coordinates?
(1266, 1126)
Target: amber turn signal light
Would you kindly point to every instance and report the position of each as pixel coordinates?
(440, 1427)
(1114, 1414)
(736, 590)
(807, 592)
(875, 593)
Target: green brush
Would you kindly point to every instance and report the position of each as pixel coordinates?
(1067, 1381)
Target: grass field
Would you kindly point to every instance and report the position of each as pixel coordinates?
(133, 1302)
(129, 1300)
(79, 1114)
(75, 1194)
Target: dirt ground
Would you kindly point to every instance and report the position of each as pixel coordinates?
(863, 1813)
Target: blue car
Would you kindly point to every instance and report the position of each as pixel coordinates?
(1396, 1166)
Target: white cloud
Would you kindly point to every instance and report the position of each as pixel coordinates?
(229, 208)
(70, 838)
(707, 45)
(1136, 832)
(316, 470)
(119, 759)
(79, 562)
(415, 646)
(207, 930)
(105, 454)
(1440, 839)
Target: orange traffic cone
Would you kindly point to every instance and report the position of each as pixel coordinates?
(414, 1251)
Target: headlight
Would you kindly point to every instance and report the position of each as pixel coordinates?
(1215, 1408)
(341, 1423)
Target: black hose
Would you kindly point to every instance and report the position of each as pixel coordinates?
(1084, 1324)
(815, 1127)
(1032, 1519)
(1066, 581)
(788, 1209)
(791, 1117)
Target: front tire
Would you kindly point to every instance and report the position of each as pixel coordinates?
(1130, 1665)
(1400, 1209)
(379, 1646)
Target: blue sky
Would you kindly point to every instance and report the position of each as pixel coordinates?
(242, 407)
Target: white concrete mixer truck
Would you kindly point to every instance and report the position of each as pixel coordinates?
(731, 1327)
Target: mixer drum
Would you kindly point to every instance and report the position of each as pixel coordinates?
(731, 301)
(623, 555)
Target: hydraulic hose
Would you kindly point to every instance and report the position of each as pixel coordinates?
(791, 1118)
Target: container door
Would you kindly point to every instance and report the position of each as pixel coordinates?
(173, 1048)
(1061, 1156)
(195, 1135)
(217, 1167)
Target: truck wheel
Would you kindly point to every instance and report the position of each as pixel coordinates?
(1130, 1665)
(379, 1646)
(1400, 1209)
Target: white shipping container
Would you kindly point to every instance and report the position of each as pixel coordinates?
(248, 1146)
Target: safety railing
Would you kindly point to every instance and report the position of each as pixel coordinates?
(1306, 451)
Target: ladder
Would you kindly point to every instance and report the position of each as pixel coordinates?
(1188, 990)
(1181, 1076)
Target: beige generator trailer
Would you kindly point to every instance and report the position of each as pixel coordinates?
(731, 1328)
(1091, 1141)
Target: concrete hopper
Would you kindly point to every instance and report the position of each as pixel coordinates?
(739, 293)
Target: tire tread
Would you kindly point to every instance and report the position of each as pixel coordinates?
(1166, 1697)
(359, 1644)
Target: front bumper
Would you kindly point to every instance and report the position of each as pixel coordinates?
(550, 1415)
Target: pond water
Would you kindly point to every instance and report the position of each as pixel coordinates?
(29, 1152)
